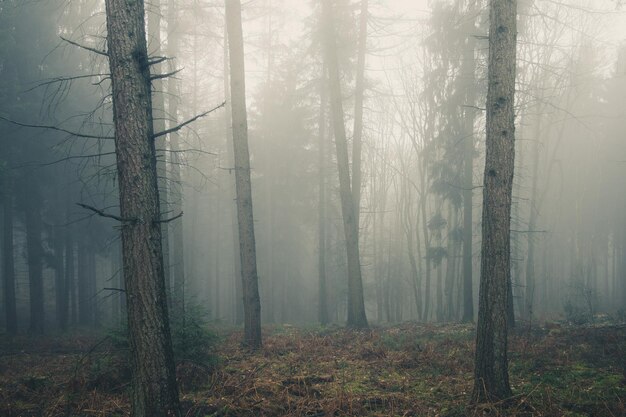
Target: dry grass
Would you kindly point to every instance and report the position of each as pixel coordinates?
(406, 370)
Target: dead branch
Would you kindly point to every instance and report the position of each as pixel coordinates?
(178, 216)
(103, 214)
(87, 48)
(55, 128)
(193, 119)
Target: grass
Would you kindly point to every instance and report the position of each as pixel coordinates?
(404, 370)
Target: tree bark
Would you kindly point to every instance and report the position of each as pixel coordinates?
(154, 389)
(356, 304)
(247, 245)
(491, 378)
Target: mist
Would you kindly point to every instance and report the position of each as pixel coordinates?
(364, 125)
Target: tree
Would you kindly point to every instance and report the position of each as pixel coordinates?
(154, 389)
(356, 304)
(491, 378)
(247, 244)
(8, 261)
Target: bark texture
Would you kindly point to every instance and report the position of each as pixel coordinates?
(491, 378)
(247, 245)
(356, 304)
(154, 390)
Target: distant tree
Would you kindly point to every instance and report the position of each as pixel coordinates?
(356, 304)
(491, 376)
(8, 256)
(247, 244)
(154, 389)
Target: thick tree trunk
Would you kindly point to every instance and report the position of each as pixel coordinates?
(35, 257)
(8, 256)
(491, 377)
(356, 303)
(154, 390)
(247, 245)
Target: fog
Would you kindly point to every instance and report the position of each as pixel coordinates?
(423, 118)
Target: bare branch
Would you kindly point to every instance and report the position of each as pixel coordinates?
(193, 119)
(166, 75)
(178, 216)
(103, 214)
(87, 48)
(158, 60)
(58, 129)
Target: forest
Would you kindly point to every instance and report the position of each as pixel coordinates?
(312, 208)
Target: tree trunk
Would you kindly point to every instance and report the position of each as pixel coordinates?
(35, 257)
(8, 256)
(356, 303)
(358, 113)
(247, 245)
(59, 279)
(321, 261)
(154, 389)
(491, 377)
(469, 71)
(158, 120)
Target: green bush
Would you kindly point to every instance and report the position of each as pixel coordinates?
(192, 340)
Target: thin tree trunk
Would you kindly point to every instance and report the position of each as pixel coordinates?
(321, 261)
(154, 389)
(35, 257)
(8, 256)
(356, 303)
(59, 279)
(491, 376)
(247, 245)
(158, 120)
(358, 112)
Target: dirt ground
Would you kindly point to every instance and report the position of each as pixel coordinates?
(405, 370)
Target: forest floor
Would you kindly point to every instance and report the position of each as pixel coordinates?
(405, 370)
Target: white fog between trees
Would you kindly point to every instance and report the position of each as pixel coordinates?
(314, 161)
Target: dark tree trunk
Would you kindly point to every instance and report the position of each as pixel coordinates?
(70, 280)
(8, 260)
(491, 376)
(247, 245)
(59, 279)
(35, 257)
(85, 306)
(356, 303)
(154, 389)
